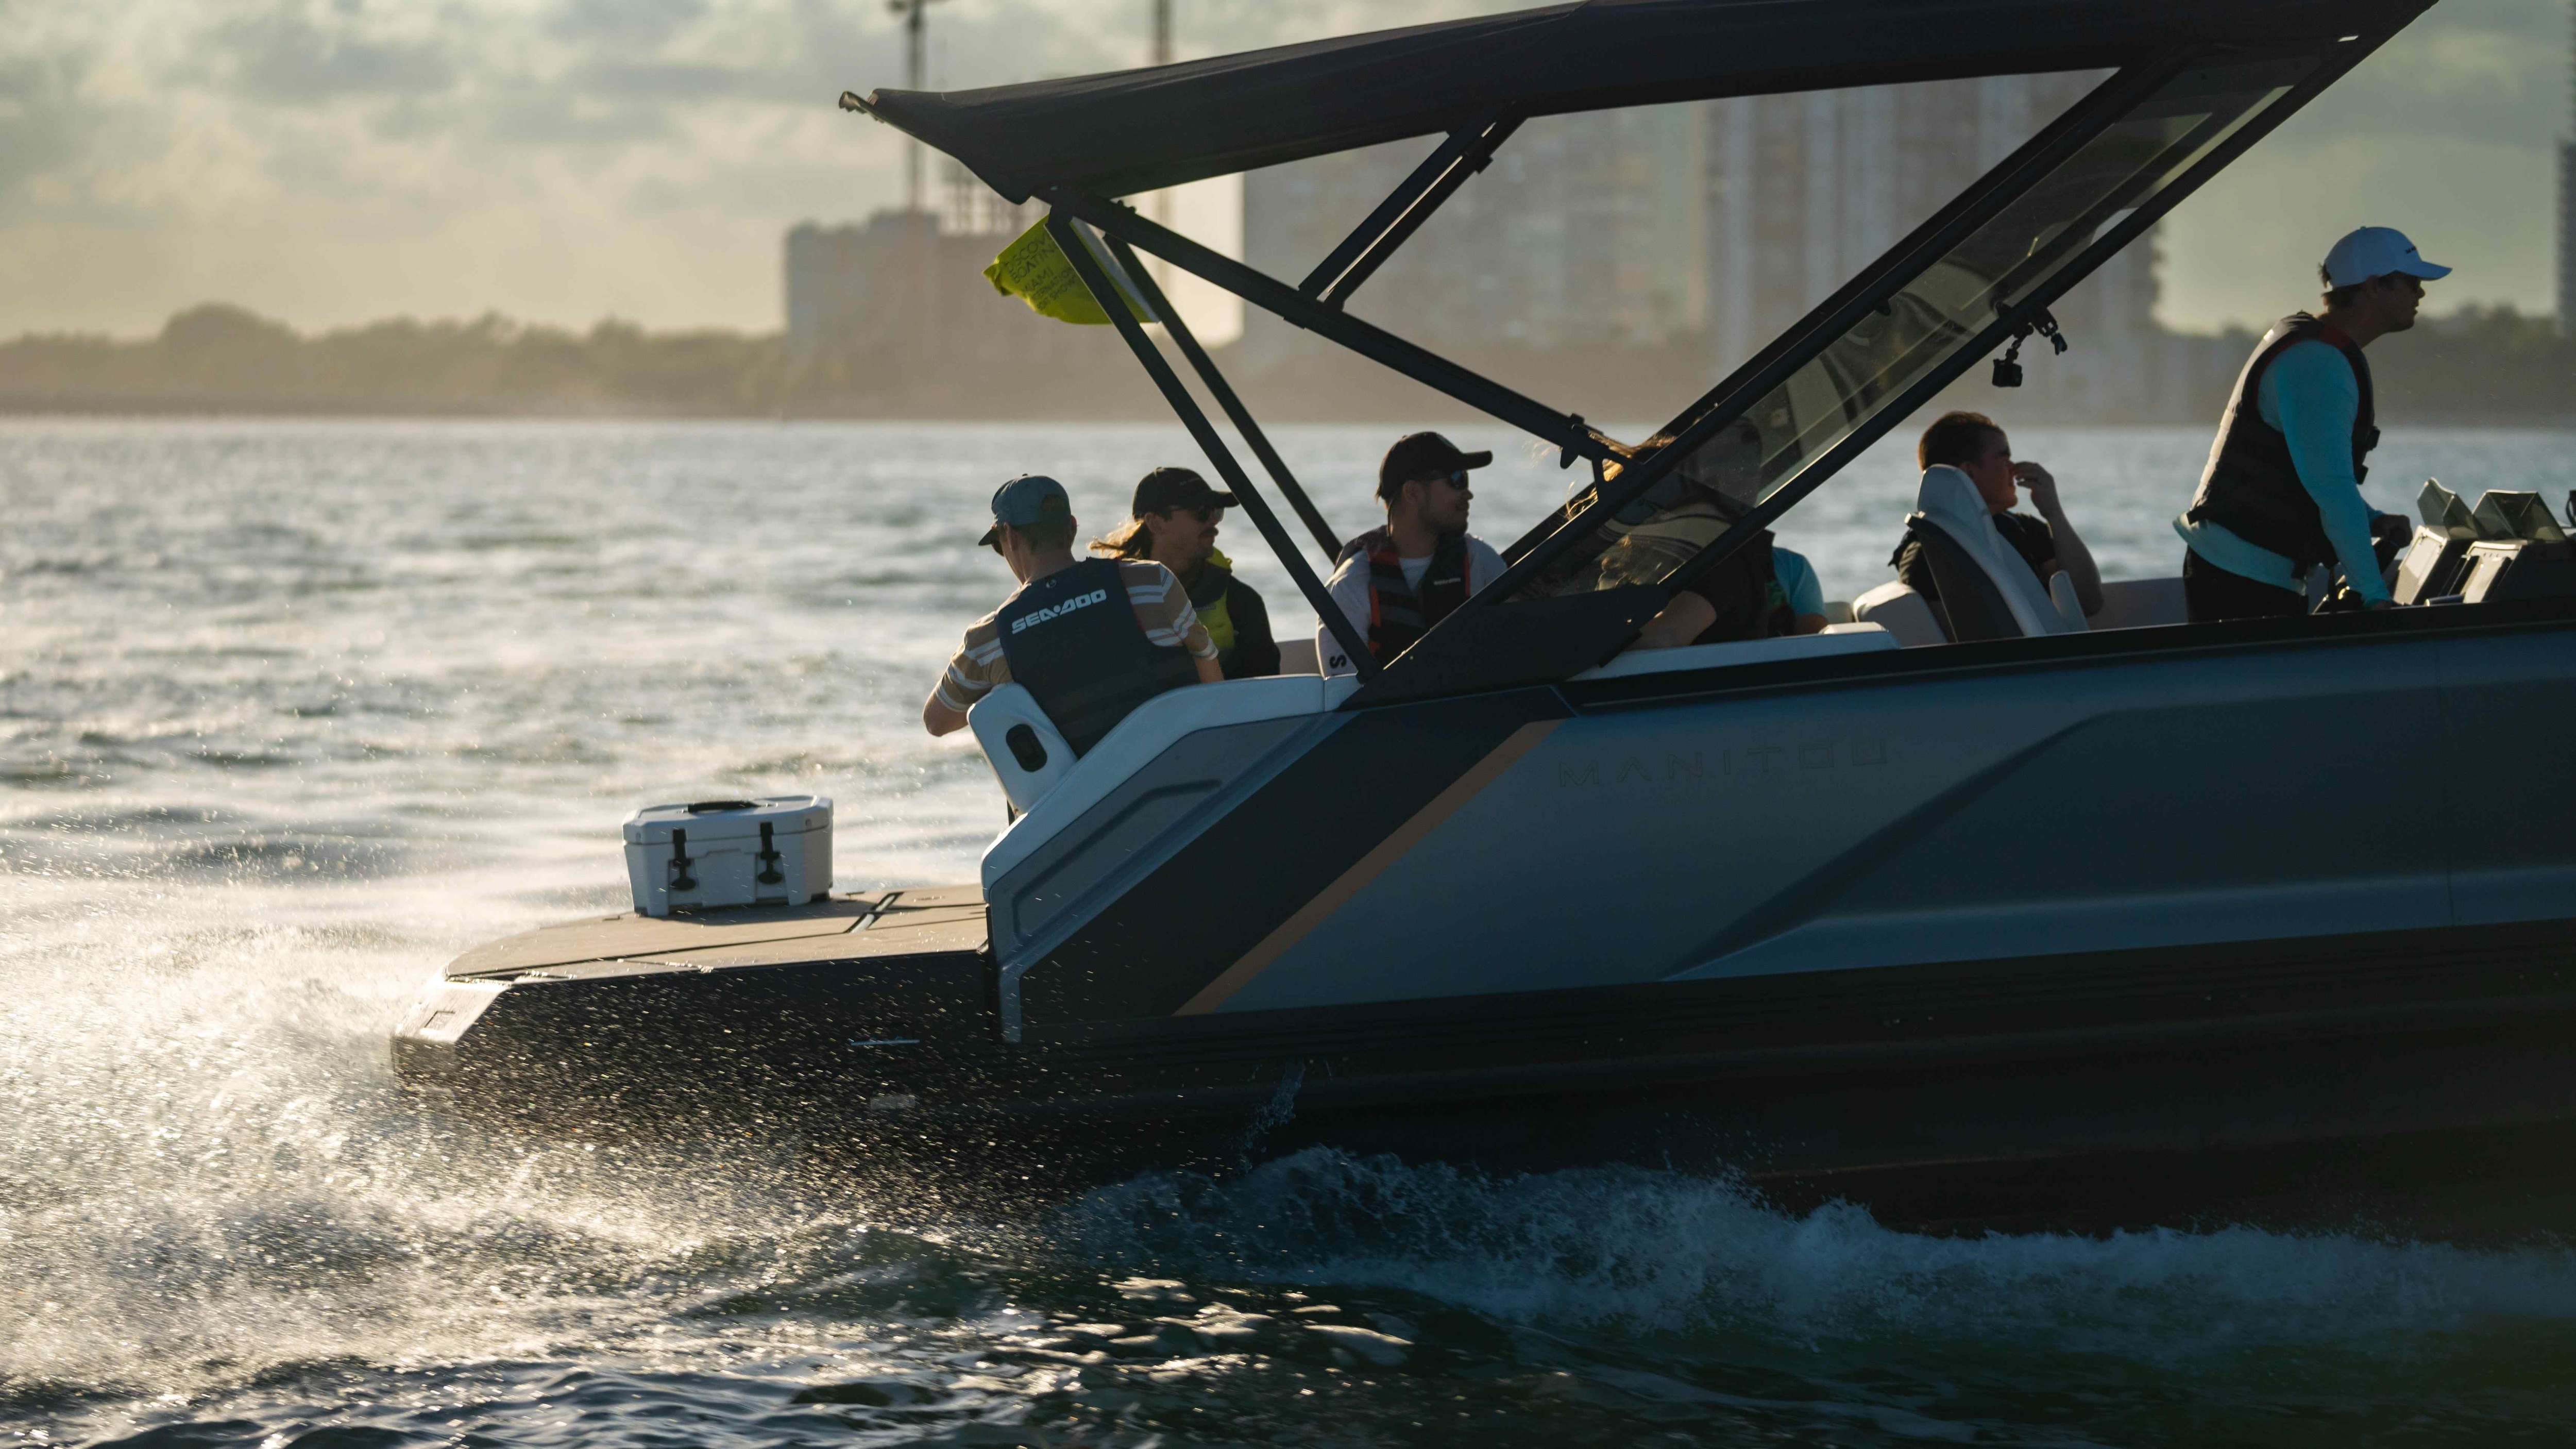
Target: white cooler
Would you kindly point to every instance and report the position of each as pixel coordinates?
(774, 851)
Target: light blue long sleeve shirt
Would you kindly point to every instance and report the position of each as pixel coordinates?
(2310, 394)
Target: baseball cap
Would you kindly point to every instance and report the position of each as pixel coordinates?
(1026, 500)
(2375, 251)
(1165, 489)
(1424, 455)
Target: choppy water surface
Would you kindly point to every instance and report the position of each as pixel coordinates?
(290, 713)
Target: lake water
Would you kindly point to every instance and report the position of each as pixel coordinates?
(291, 713)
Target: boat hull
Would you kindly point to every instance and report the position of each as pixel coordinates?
(1966, 1091)
(2179, 895)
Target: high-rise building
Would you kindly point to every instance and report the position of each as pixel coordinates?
(1806, 190)
(1583, 229)
(1710, 227)
(910, 284)
(2567, 204)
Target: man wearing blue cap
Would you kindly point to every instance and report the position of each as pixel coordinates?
(1063, 636)
(2282, 491)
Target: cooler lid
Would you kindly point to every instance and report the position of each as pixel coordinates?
(714, 820)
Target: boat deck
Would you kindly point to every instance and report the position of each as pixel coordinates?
(839, 928)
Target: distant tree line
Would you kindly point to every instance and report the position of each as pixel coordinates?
(2479, 366)
(220, 358)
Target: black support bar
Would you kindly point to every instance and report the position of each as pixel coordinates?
(1408, 191)
(1485, 395)
(1235, 412)
(1833, 317)
(2135, 224)
(1114, 302)
(1384, 236)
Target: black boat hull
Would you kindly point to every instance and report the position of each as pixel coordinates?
(1954, 1091)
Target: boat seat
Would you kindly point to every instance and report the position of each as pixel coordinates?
(1901, 612)
(1297, 655)
(1147, 731)
(2141, 604)
(1837, 639)
(1027, 752)
(1986, 590)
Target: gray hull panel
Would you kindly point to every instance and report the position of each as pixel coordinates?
(2096, 805)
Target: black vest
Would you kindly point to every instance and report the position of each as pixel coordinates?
(1398, 613)
(1744, 587)
(1745, 590)
(1073, 641)
(2251, 488)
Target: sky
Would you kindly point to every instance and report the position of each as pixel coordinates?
(329, 162)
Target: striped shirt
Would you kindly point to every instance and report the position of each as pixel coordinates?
(1162, 610)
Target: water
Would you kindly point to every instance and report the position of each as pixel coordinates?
(292, 712)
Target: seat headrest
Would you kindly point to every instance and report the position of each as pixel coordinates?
(1949, 498)
(1950, 495)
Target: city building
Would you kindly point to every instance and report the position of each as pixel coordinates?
(1583, 230)
(905, 290)
(1696, 233)
(2567, 207)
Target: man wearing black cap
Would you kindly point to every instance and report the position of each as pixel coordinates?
(1408, 576)
(1062, 636)
(1173, 522)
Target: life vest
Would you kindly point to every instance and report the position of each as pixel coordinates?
(1399, 614)
(1743, 587)
(1073, 642)
(2251, 487)
(1208, 599)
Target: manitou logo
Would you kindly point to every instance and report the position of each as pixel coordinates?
(1054, 610)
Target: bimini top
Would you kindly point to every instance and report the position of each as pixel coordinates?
(1129, 131)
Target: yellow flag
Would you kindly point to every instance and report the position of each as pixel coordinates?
(1035, 270)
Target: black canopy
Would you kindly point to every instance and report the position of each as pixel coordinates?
(1130, 131)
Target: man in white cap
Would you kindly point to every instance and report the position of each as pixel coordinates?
(2282, 491)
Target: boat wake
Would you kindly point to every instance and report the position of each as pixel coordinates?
(1641, 1251)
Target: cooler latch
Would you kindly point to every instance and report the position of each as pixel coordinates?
(681, 880)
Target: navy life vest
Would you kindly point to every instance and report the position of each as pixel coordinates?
(2251, 488)
(1399, 613)
(1073, 641)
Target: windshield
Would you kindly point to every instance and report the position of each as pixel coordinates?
(1926, 322)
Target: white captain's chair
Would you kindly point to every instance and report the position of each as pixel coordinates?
(1027, 752)
(1902, 612)
(1950, 502)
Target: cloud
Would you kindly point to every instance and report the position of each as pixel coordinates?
(330, 161)
(44, 122)
(2476, 73)
(286, 58)
(631, 22)
(663, 80)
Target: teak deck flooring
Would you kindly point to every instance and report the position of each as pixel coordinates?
(840, 928)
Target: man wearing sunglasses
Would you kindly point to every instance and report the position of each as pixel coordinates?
(2281, 494)
(1408, 576)
(1091, 639)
